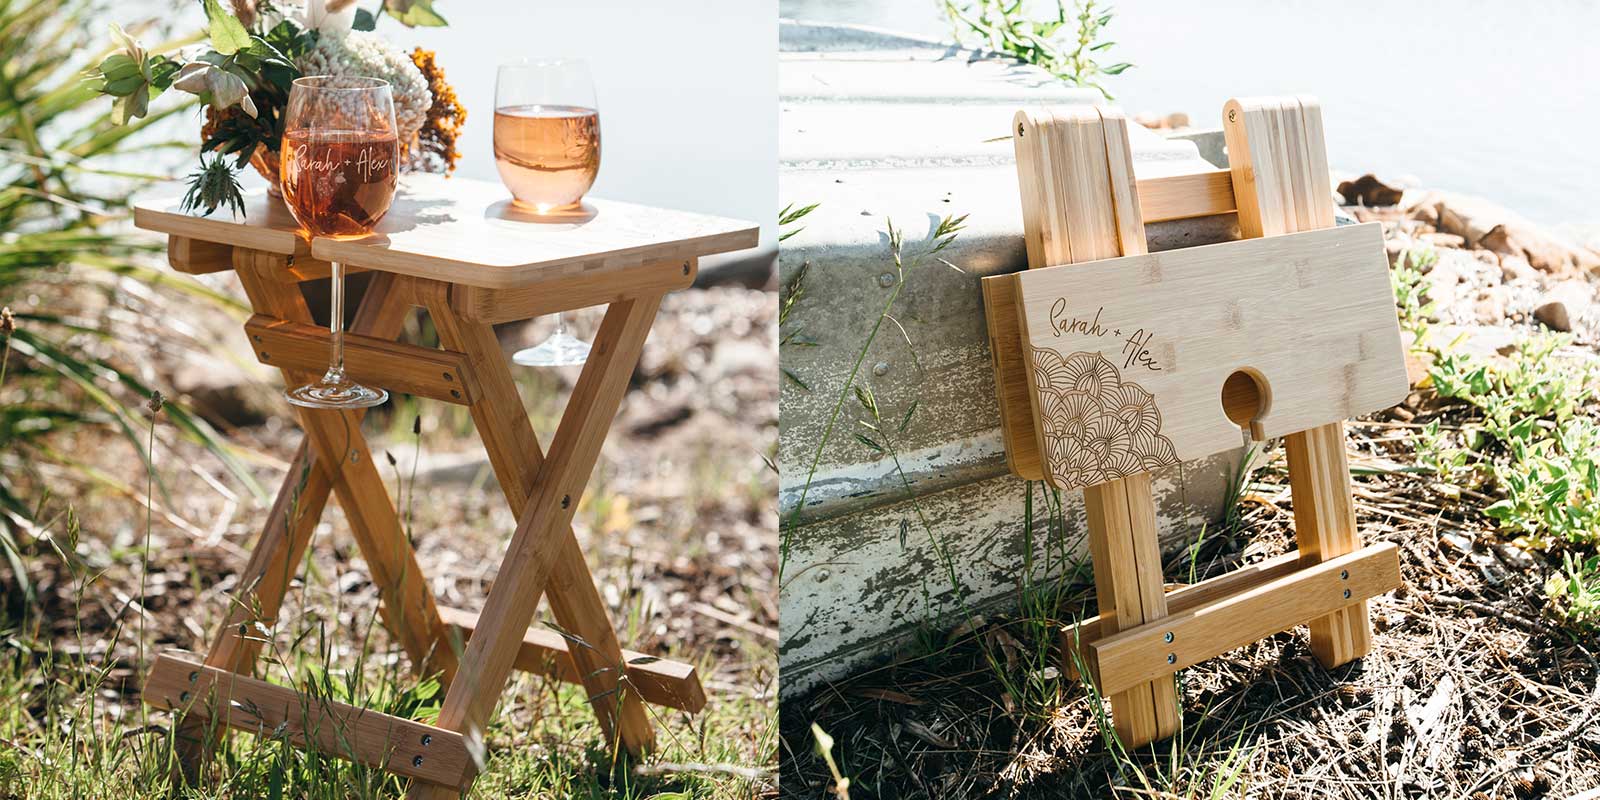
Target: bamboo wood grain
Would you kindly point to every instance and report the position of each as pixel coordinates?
(1072, 212)
(673, 684)
(1310, 315)
(1011, 386)
(266, 224)
(1279, 162)
(466, 231)
(1199, 194)
(1137, 655)
(401, 746)
(517, 458)
(253, 609)
(1076, 638)
(408, 609)
(402, 368)
(197, 257)
(480, 304)
(536, 544)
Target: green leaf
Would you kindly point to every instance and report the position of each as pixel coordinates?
(414, 13)
(1116, 69)
(365, 21)
(228, 35)
(1501, 510)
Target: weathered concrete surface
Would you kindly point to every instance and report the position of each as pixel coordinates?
(878, 128)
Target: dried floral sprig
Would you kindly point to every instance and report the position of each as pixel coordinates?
(212, 186)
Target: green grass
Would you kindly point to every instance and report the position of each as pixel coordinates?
(1004, 27)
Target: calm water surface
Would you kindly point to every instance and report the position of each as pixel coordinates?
(1481, 97)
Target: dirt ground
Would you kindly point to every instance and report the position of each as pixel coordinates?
(1467, 691)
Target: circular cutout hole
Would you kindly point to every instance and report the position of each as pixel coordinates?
(1244, 397)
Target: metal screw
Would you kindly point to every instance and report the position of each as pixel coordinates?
(289, 262)
(886, 279)
(566, 500)
(265, 356)
(427, 739)
(1347, 594)
(1344, 574)
(194, 676)
(183, 698)
(416, 762)
(1233, 114)
(686, 268)
(881, 368)
(1172, 658)
(355, 458)
(455, 393)
(1019, 129)
(449, 377)
(244, 628)
(1168, 637)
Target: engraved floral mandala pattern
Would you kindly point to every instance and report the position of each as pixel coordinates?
(1097, 427)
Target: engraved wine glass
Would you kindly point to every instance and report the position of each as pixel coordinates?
(340, 159)
(547, 149)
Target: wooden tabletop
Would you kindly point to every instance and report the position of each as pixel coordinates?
(468, 232)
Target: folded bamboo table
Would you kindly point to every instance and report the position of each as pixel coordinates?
(457, 249)
(1112, 363)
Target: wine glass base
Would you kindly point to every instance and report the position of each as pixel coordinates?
(560, 350)
(336, 394)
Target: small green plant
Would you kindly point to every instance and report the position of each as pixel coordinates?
(1002, 27)
(1574, 592)
(1409, 287)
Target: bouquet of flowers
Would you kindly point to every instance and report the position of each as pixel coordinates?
(253, 53)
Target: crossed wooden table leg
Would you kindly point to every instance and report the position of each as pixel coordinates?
(543, 557)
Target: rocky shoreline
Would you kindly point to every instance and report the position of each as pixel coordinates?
(1496, 273)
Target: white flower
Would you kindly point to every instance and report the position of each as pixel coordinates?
(331, 18)
(130, 45)
(366, 55)
(225, 87)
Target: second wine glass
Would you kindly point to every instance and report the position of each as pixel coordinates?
(547, 149)
(340, 157)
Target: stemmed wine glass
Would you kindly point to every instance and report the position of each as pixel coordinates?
(547, 149)
(340, 162)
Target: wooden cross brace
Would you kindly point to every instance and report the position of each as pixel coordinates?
(1106, 371)
(474, 659)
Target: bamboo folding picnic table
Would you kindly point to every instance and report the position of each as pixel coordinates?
(1112, 363)
(459, 250)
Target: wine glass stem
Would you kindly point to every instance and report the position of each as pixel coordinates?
(561, 323)
(336, 321)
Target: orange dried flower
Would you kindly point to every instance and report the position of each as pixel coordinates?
(436, 142)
